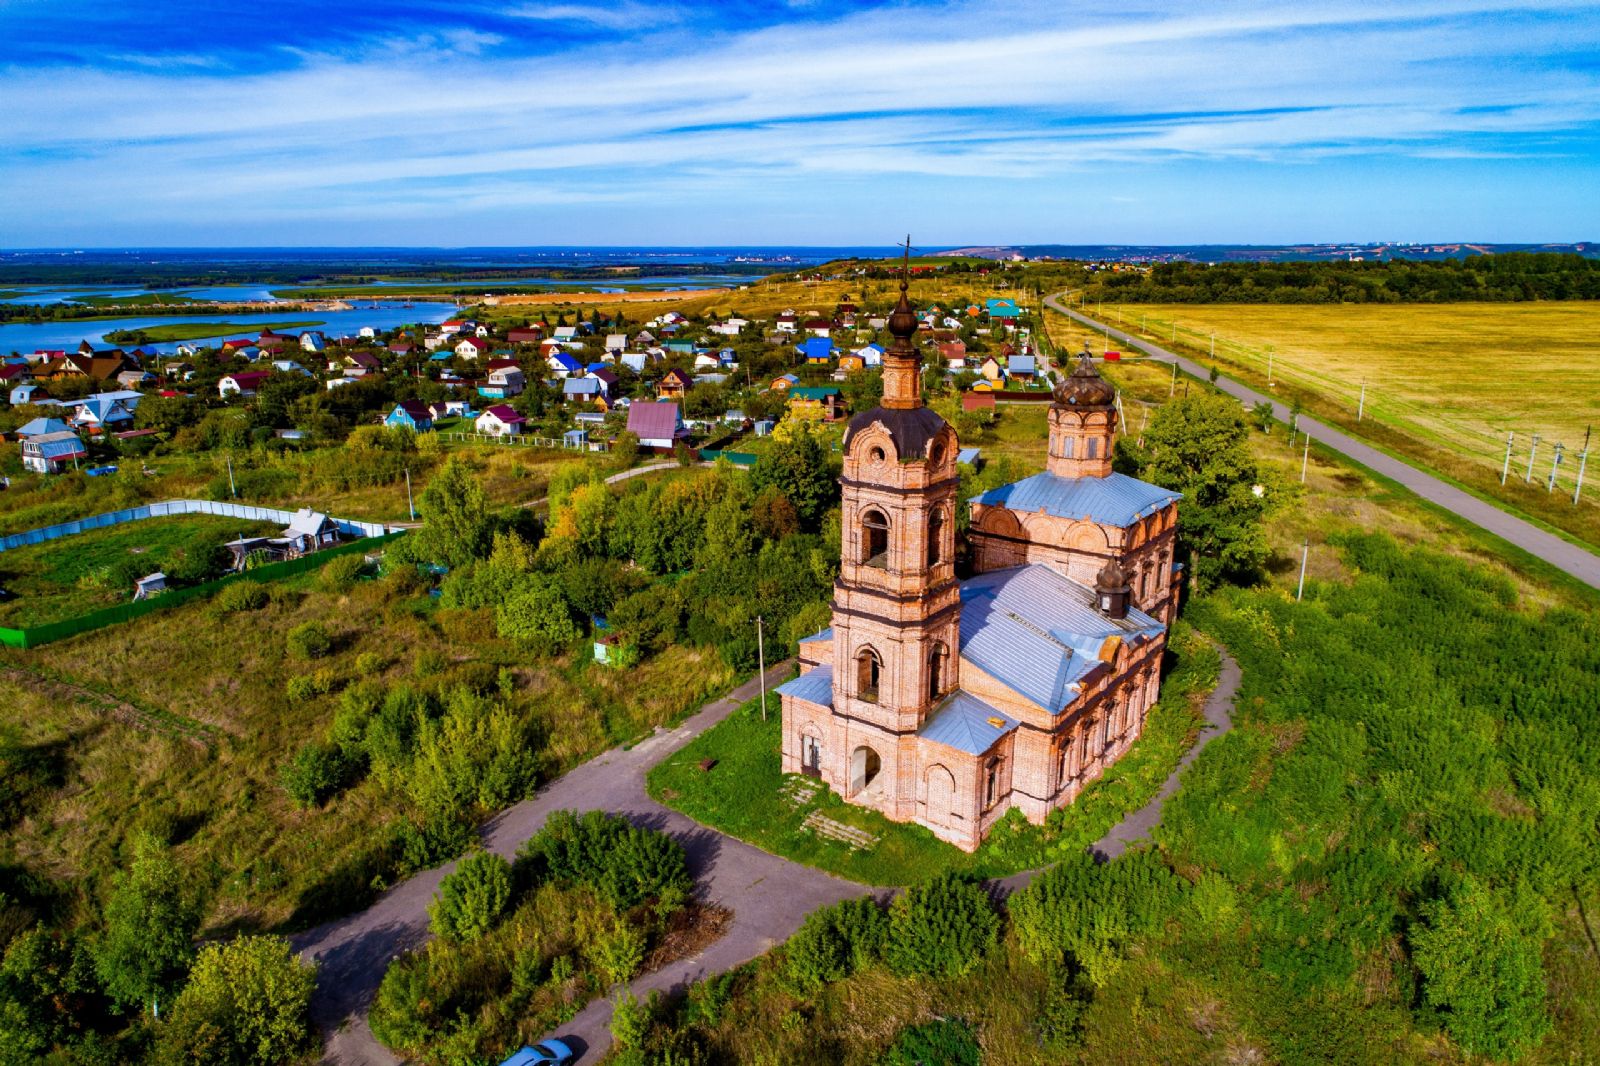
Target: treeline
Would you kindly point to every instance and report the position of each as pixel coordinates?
(1513, 277)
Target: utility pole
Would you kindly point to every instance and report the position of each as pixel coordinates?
(1172, 391)
(1305, 553)
(1305, 457)
(1213, 346)
(1269, 366)
(761, 661)
(1533, 450)
(1505, 468)
(1551, 486)
(1583, 461)
(233, 493)
(411, 508)
(1361, 406)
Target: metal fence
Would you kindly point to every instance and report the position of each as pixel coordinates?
(126, 612)
(523, 440)
(711, 455)
(167, 508)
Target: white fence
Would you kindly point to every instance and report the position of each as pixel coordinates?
(523, 440)
(178, 507)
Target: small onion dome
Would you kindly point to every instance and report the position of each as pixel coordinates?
(902, 320)
(1112, 578)
(1084, 387)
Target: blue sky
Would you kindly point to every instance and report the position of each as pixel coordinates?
(500, 122)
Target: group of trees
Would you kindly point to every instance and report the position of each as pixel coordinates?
(1512, 276)
(137, 985)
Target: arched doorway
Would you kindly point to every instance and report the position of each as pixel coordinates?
(874, 539)
(941, 796)
(864, 767)
(810, 755)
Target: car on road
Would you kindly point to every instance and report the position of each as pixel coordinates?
(546, 1051)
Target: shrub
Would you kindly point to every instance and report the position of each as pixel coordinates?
(309, 640)
(836, 941)
(472, 898)
(241, 596)
(948, 1042)
(317, 772)
(625, 864)
(941, 928)
(246, 1002)
(477, 755)
(618, 954)
(536, 615)
(341, 572)
(630, 1021)
(370, 664)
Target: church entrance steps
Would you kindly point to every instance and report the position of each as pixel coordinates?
(799, 791)
(823, 826)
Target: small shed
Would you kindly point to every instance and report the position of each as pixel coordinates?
(150, 585)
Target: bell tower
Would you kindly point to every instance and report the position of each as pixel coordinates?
(1083, 424)
(897, 604)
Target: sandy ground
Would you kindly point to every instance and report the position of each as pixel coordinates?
(651, 297)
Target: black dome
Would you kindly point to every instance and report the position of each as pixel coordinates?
(912, 429)
(1084, 387)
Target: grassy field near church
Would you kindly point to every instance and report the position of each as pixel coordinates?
(1445, 383)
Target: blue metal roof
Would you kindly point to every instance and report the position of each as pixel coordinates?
(821, 634)
(817, 348)
(39, 426)
(1113, 500)
(1020, 364)
(813, 686)
(1038, 633)
(968, 456)
(966, 723)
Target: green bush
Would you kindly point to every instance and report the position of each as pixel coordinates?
(341, 572)
(241, 596)
(309, 640)
(471, 898)
(246, 1002)
(836, 941)
(946, 1042)
(941, 928)
(537, 616)
(625, 864)
(316, 773)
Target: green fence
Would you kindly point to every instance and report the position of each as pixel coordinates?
(127, 612)
(711, 455)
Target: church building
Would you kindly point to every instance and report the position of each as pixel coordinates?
(946, 702)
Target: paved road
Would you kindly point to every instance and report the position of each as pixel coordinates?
(1581, 564)
(768, 896)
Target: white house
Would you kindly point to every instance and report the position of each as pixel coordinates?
(368, 332)
(244, 384)
(500, 421)
(472, 347)
(616, 343)
(312, 341)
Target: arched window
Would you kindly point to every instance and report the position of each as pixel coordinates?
(935, 537)
(991, 788)
(875, 539)
(1144, 585)
(1061, 764)
(1068, 446)
(936, 678)
(877, 455)
(1094, 448)
(869, 671)
(936, 454)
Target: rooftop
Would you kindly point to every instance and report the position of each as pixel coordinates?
(1114, 500)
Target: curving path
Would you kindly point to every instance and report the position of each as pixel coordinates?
(768, 895)
(1564, 555)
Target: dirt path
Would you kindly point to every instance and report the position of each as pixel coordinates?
(164, 722)
(1581, 564)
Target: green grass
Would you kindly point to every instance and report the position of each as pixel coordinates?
(741, 794)
(148, 299)
(63, 578)
(187, 331)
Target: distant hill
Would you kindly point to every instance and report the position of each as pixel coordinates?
(1259, 253)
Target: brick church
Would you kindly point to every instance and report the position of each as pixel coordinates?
(946, 702)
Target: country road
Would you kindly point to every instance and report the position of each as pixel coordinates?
(1565, 556)
(768, 895)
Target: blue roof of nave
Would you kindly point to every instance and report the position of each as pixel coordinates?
(966, 723)
(813, 686)
(1038, 633)
(1114, 500)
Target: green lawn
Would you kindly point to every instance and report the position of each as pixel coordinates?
(75, 575)
(741, 794)
(188, 331)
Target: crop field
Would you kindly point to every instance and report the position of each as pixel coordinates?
(1445, 384)
(75, 575)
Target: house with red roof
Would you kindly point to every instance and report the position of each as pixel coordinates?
(501, 420)
(657, 425)
(242, 384)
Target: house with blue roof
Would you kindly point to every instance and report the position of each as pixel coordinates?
(817, 350)
(412, 414)
(949, 702)
(1002, 309)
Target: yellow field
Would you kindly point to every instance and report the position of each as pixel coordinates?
(1458, 376)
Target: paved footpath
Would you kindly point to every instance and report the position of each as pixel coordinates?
(1564, 555)
(768, 896)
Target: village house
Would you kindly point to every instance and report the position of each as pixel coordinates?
(526, 335)
(817, 351)
(312, 341)
(562, 364)
(816, 403)
(584, 390)
(308, 531)
(504, 382)
(657, 425)
(673, 385)
(501, 420)
(106, 411)
(948, 702)
(244, 383)
(51, 453)
(412, 414)
(471, 347)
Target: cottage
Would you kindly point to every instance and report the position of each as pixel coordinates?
(616, 343)
(992, 370)
(674, 385)
(242, 384)
(657, 425)
(106, 411)
(471, 347)
(1005, 310)
(816, 403)
(413, 414)
(504, 382)
(526, 335)
(563, 364)
(1021, 367)
(817, 350)
(312, 341)
(501, 420)
(150, 585)
(584, 389)
(23, 394)
(308, 531)
(785, 382)
(51, 453)
(871, 355)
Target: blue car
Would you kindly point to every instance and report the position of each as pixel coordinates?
(546, 1051)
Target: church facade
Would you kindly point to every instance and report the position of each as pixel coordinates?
(947, 702)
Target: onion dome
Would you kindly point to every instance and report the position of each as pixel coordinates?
(902, 320)
(1084, 387)
(1112, 578)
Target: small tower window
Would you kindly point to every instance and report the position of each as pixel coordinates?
(936, 455)
(875, 539)
(936, 672)
(935, 537)
(991, 788)
(1094, 448)
(1069, 447)
(877, 455)
(869, 671)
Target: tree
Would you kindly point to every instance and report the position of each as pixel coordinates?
(472, 898)
(151, 923)
(941, 928)
(246, 1002)
(1483, 970)
(1199, 445)
(457, 524)
(308, 640)
(477, 755)
(797, 466)
(536, 615)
